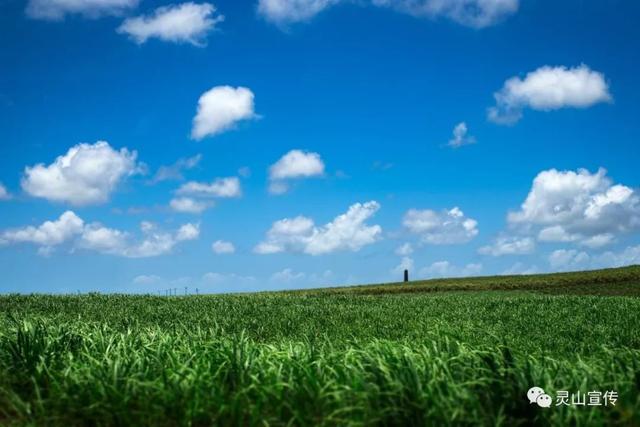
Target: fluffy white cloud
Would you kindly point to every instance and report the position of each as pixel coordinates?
(174, 171)
(221, 247)
(55, 10)
(188, 232)
(509, 245)
(86, 174)
(287, 233)
(556, 233)
(48, 234)
(440, 228)
(154, 242)
(471, 13)
(346, 232)
(460, 136)
(295, 164)
(598, 240)
(549, 88)
(404, 250)
(4, 194)
(406, 263)
(71, 228)
(103, 239)
(220, 108)
(581, 207)
(181, 23)
(572, 259)
(220, 187)
(628, 256)
(188, 205)
(446, 269)
(568, 259)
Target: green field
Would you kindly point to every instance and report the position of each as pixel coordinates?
(442, 352)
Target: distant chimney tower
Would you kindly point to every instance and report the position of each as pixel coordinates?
(406, 275)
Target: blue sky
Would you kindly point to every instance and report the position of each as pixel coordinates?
(318, 142)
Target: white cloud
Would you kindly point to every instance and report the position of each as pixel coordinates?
(406, 263)
(188, 232)
(48, 234)
(286, 276)
(295, 164)
(439, 228)
(571, 259)
(188, 205)
(56, 10)
(71, 228)
(154, 242)
(4, 194)
(221, 247)
(549, 88)
(509, 245)
(182, 23)
(220, 187)
(287, 233)
(519, 268)
(471, 13)
(629, 256)
(460, 136)
(446, 269)
(579, 207)
(287, 11)
(174, 171)
(103, 239)
(555, 233)
(346, 232)
(404, 250)
(598, 241)
(220, 108)
(86, 174)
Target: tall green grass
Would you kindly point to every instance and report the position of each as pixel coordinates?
(95, 375)
(452, 358)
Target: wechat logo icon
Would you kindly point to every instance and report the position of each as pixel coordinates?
(537, 395)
